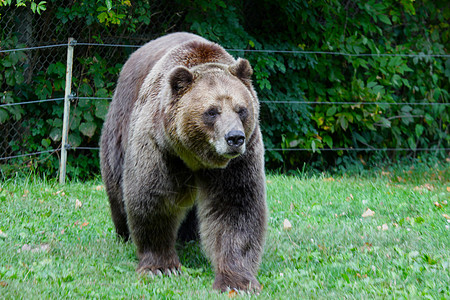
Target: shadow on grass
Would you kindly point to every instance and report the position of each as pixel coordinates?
(191, 255)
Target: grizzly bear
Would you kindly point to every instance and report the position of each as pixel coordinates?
(183, 130)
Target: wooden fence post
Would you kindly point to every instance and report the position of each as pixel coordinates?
(67, 98)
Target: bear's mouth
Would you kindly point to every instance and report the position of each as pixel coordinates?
(232, 154)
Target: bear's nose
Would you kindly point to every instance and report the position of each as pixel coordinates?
(235, 138)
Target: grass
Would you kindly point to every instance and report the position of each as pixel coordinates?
(50, 247)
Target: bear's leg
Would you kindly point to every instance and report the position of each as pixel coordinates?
(112, 183)
(155, 240)
(151, 191)
(232, 215)
(118, 213)
(153, 228)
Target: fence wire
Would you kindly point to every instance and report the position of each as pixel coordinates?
(43, 42)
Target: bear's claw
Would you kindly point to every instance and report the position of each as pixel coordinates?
(152, 272)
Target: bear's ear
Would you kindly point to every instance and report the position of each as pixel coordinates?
(241, 69)
(180, 78)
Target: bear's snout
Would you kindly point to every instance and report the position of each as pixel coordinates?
(235, 138)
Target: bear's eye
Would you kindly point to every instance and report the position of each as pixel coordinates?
(212, 113)
(243, 113)
(210, 116)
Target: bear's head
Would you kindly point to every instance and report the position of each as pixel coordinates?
(212, 114)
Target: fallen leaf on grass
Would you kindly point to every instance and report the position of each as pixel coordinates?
(59, 192)
(428, 186)
(329, 179)
(383, 227)
(3, 283)
(359, 275)
(367, 246)
(437, 204)
(77, 223)
(287, 225)
(78, 203)
(446, 216)
(99, 187)
(400, 179)
(368, 213)
(448, 189)
(39, 248)
(232, 293)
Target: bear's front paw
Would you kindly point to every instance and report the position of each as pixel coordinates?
(154, 264)
(223, 282)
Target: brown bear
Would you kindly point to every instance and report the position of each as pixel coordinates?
(183, 129)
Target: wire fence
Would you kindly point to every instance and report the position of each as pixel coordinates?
(41, 48)
(278, 102)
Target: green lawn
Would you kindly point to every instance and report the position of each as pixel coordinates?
(51, 247)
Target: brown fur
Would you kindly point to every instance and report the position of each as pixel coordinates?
(183, 129)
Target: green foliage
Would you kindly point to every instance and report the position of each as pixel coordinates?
(36, 7)
(372, 84)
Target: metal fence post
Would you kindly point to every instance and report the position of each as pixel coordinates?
(67, 96)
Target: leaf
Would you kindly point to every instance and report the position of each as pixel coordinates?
(232, 293)
(56, 134)
(385, 19)
(437, 204)
(383, 227)
(75, 139)
(344, 123)
(45, 143)
(78, 203)
(101, 109)
(368, 213)
(328, 140)
(86, 89)
(6, 62)
(88, 128)
(412, 143)
(3, 115)
(419, 130)
(287, 225)
(331, 111)
(108, 4)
